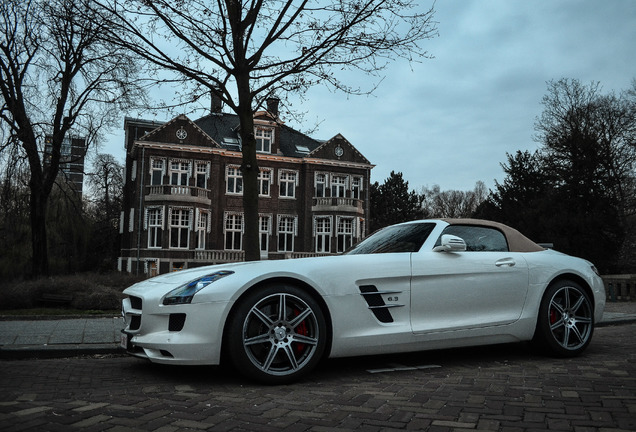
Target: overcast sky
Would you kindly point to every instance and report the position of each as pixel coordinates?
(451, 120)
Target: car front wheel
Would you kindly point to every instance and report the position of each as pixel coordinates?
(566, 321)
(277, 334)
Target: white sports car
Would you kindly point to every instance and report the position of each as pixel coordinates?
(415, 286)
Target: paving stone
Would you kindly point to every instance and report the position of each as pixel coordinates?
(504, 388)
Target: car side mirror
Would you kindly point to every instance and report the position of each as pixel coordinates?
(451, 243)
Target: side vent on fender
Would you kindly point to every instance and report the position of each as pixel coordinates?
(376, 303)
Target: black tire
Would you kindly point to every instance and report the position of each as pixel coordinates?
(566, 320)
(277, 334)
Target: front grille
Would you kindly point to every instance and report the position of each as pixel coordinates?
(176, 322)
(135, 302)
(135, 322)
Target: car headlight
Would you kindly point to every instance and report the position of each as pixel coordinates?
(185, 293)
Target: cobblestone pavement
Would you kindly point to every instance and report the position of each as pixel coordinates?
(503, 388)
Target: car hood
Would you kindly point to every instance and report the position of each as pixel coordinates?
(180, 277)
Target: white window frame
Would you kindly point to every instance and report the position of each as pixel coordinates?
(265, 182)
(182, 169)
(322, 233)
(153, 223)
(356, 187)
(182, 228)
(287, 228)
(345, 233)
(338, 185)
(287, 182)
(233, 226)
(148, 266)
(264, 137)
(157, 165)
(202, 168)
(202, 228)
(323, 180)
(264, 233)
(233, 180)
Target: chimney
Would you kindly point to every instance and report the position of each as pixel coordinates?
(216, 104)
(272, 105)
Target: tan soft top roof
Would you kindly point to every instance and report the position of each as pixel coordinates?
(517, 242)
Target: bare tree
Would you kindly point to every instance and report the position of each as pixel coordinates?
(246, 51)
(57, 76)
(589, 150)
(14, 213)
(453, 203)
(106, 184)
(589, 142)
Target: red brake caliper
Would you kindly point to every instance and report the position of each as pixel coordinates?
(553, 316)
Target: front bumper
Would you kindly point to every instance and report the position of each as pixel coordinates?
(189, 334)
(598, 288)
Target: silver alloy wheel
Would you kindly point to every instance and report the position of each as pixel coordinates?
(280, 334)
(570, 318)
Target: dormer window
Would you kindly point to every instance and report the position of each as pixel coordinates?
(263, 140)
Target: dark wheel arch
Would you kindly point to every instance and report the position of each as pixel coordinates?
(579, 280)
(565, 321)
(308, 289)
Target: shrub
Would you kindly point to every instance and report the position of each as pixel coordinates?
(85, 291)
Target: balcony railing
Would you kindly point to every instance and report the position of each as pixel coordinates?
(187, 192)
(337, 204)
(219, 256)
(227, 256)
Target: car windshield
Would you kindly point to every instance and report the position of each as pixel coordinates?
(397, 238)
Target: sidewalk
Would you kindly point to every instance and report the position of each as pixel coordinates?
(65, 337)
(62, 337)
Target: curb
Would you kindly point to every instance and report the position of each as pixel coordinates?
(21, 352)
(617, 321)
(56, 317)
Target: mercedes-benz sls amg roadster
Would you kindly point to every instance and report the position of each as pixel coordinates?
(415, 286)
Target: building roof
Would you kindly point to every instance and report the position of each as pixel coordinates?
(224, 129)
(221, 130)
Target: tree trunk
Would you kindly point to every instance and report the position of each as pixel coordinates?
(250, 171)
(40, 185)
(40, 258)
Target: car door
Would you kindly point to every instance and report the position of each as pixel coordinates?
(484, 286)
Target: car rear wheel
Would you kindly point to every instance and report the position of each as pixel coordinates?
(566, 320)
(277, 334)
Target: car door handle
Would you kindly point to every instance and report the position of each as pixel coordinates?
(508, 262)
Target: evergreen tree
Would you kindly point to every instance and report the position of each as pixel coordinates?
(391, 202)
(575, 190)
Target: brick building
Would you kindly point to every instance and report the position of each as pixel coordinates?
(183, 194)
